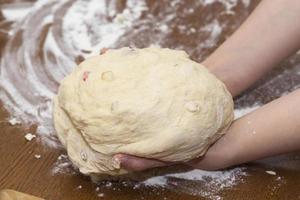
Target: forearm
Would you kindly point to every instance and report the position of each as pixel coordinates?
(270, 130)
(269, 35)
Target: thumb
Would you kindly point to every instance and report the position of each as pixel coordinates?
(134, 163)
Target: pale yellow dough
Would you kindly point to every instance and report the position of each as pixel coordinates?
(152, 102)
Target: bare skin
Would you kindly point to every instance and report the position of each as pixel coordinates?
(269, 35)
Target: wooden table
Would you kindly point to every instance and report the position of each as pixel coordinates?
(22, 171)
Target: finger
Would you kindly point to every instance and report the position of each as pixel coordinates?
(134, 163)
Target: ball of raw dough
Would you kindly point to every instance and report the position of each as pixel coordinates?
(152, 102)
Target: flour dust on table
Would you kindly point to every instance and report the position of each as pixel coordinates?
(45, 41)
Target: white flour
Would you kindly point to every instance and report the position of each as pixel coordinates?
(229, 4)
(208, 184)
(16, 12)
(243, 111)
(93, 19)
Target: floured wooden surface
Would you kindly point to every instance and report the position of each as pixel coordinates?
(41, 43)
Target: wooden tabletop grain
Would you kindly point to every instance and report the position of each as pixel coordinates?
(22, 169)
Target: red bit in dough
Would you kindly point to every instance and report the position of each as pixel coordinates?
(103, 51)
(85, 75)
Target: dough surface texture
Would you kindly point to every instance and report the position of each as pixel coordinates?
(154, 103)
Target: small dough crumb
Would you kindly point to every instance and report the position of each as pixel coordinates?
(14, 121)
(192, 106)
(100, 195)
(271, 172)
(107, 76)
(29, 136)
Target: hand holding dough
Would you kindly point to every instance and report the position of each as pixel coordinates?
(152, 102)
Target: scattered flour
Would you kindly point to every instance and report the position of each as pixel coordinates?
(199, 175)
(62, 166)
(215, 29)
(103, 32)
(15, 12)
(243, 111)
(208, 184)
(228, 4)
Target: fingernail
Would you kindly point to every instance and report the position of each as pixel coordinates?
(116, 161)
(118, 157)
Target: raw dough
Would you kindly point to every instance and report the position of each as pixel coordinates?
(152, 102)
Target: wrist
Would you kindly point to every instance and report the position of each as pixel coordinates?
(219, 156)
(224, 75)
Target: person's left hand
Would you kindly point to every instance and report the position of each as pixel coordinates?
(218, 156)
